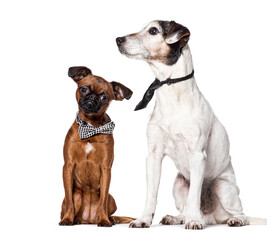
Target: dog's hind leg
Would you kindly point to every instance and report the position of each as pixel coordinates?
(180, 193)
(228, 195)
(112, 209)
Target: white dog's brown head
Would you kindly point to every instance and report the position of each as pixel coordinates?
(159, 41)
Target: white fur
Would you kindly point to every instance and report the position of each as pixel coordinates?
(184, 127)
(88, 148)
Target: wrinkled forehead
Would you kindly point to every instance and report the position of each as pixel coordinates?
(97, 84)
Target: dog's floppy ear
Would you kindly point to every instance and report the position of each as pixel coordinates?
(120, 91)
(78, 73)
(177, 33)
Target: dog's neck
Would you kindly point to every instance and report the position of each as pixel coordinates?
(96, 120)
(183, 67)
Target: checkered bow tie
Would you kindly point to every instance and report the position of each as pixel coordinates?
(87, 130)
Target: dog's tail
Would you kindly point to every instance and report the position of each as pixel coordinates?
(256, 221)
(117, 219)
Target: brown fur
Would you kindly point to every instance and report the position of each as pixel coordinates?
(87, 175)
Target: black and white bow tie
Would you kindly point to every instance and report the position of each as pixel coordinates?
(157, 84)
(87, 130)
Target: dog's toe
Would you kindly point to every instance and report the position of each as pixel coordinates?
(104, 223)
(132, 225)
(234, 222)
(66, 222)
(172, 220)
(76, 221)
(139, 224)
(113, 220)
(194, 225)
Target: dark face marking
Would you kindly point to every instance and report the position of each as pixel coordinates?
(165, 26)
(175, 48)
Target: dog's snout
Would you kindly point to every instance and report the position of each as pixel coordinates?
(92, 97)
(120, 41)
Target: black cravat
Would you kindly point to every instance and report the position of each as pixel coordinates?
(157, 84)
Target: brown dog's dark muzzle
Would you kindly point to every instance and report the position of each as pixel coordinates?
(89, 106)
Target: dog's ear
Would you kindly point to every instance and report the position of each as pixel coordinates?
(120, 91)
(177, 33)
(78, 73)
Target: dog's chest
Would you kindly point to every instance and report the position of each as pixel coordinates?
(88, 148)
(180, 131)
(88, 164)
(178, 148)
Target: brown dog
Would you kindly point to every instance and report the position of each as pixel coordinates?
(88, 159)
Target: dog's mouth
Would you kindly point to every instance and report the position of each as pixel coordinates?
(122, 51)
(127, 54)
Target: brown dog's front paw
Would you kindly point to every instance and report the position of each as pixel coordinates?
(104, 223)
(66, 222)
(76, 221)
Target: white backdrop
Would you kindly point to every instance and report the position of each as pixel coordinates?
(40, 40)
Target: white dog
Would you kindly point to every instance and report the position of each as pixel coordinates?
(184, 127)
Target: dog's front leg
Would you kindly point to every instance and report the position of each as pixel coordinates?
(194, 219)
(103, 201)
(67, 218)
(153, 173)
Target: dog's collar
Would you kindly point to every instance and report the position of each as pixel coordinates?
(87, 130)
(157, 84)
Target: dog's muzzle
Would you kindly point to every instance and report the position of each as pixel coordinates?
(90, 104)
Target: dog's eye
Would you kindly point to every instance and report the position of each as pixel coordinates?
(104, 99)
(84, 90)
(153, 31)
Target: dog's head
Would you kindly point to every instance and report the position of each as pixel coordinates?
(94, 93)
(159, 41)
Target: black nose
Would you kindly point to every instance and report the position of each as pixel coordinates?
(120, 41)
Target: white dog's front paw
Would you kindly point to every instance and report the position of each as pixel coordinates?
(140, 223)
(194, 224)
(173, 220)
